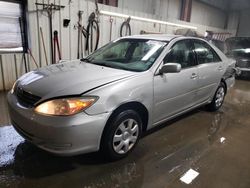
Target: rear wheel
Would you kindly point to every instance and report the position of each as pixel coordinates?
(218, 98)
(121, 135)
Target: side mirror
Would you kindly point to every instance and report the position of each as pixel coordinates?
(170, 68)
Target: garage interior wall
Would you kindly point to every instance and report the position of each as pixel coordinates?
(12, 65)
(244, 26)
(211, 16)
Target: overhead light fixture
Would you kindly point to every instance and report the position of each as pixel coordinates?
(145, 19)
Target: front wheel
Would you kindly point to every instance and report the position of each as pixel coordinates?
(121, 135)
(218, 98)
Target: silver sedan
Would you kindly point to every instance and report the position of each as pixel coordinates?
(108, 99)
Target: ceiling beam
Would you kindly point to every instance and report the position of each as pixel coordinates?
(239, 4)
(220, 4)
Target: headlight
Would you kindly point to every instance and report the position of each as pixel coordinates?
(13, 87)
(66, 106)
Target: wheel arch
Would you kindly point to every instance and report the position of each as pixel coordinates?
(225, 84)
(134, 105)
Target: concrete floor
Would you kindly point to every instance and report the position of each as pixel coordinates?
(214, 144)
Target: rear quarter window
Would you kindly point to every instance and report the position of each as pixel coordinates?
(205, 53)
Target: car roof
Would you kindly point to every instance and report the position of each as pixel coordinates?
(161, 37)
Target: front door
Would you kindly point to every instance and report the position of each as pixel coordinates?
(175, 92)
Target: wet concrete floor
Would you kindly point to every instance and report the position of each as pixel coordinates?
(216, 145)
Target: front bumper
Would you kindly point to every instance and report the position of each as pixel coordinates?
(61, 135)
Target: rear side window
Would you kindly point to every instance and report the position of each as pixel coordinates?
(182, 53)
(205, 54)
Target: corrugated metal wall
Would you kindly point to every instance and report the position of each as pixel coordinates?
(203, 13)
(12, 65)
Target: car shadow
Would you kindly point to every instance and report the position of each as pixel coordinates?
(30, 161)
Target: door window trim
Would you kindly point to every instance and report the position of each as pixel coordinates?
(156, 73)
(192, 50)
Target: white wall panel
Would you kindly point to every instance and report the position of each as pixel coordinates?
(244, 26)
(33, 34)
(1, 74)
(165, 9)
(8, 65)
(233, 20)
(65, 31)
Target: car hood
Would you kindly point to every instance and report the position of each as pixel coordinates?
(69, 78)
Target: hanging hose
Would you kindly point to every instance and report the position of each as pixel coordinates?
(56, 47)
(92, 30)
(125, 27)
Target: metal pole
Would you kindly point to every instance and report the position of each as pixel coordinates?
(25, 63)
(44, 49)
(111, 28)
(39, 45)
(15, 66)
(1, 62)
(51, 35)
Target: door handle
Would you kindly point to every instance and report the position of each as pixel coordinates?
(220, 68)
(193, 76)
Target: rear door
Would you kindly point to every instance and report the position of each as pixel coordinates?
(175, 92)
(210, 69)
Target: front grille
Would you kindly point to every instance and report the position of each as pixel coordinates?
(26, 99)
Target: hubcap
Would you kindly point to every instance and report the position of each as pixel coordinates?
(125, 136)
(219, 97)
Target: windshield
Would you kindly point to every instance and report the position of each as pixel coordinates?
(238, 47)
(128, 54)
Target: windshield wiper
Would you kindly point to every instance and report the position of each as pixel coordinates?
(85, 59)
(102, 64)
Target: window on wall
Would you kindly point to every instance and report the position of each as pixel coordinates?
(12, 26)
(109, 2)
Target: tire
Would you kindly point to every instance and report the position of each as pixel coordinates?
(126, 136)
(218, 99)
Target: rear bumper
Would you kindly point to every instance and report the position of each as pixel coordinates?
(230, 82)
(70, 135)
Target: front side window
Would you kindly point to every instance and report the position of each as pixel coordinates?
(181, 53)
(128, 54)
(205, 54)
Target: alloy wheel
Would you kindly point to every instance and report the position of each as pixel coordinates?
(125, 136)
(219, 96)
